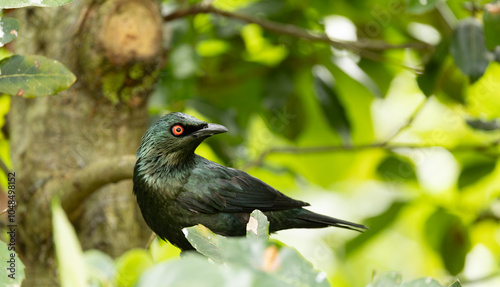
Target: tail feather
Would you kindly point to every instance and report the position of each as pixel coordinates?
(315, 220)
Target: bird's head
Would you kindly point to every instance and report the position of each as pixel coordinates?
(174, 138)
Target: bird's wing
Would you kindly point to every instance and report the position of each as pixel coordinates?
(222, 189)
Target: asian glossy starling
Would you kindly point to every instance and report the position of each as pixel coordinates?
(175, 188)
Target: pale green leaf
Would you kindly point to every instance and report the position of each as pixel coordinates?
(258, 225)
(12, 273)
(70, 260)
(9, 4)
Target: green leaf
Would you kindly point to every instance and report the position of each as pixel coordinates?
(395, 279)
(388, 279)
(303, 273)
(283, 108)
(9, 28)
(453, 83)
(422, 282)
(377, 224)
(428, 81)
(449, 237)
(469, 50)
(101, 268)
(472, 173)
(184, 62)
(396, 168)
(70, 261)
(333, 109)
(33, 76)
(258, 225)
(194, 270)
(206, 242)
(9, 4)
(12, 271)
(491, 22)
(456, 284)
(264, 263)
(131, 265)
(420, 7)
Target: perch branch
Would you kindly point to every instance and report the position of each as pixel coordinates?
(82, 183)
(292, 30)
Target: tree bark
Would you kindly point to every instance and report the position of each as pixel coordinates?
(113, 48)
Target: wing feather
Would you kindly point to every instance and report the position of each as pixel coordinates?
(221, 189)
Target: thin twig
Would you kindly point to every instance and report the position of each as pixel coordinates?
(408, 122)
(287, 29)
(4, 211)
(150, 240)
(384, 145)
(4, 167)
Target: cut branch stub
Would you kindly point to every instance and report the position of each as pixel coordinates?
(119, 46)
(131, 32)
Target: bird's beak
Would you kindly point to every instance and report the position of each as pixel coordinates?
(209, 130)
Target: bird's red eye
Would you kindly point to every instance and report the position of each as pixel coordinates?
(177, 130)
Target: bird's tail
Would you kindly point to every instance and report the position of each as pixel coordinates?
(309, 219)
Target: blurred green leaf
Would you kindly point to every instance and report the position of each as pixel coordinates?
(396, 168)
(377, 225)
(282, 106)
(491, 22)
(12, 271)
(70, 260)
(387, 279)
(263, 8)
(259, 49)
(452, 83)
(333, 110)
(422, 282)
(179, 273)
(9, 29)
(469, 50)
(131, 265)
(428, 81)
(258, 225)
(101, 268)
(381, 73)
(33, 76)
(449, 237)
(212, 48)
(184, 62)
(162, 250)
(420, 7)
(8, 4)
(474, 172)
(395, 279)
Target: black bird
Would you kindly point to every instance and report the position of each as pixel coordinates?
(175, 188)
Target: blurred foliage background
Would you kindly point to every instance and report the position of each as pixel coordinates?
(392, 122)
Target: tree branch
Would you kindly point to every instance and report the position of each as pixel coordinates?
(360, 46)
(408, 122)
(83, 182)
(384, 145)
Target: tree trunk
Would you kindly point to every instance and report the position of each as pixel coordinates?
(113, 48)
